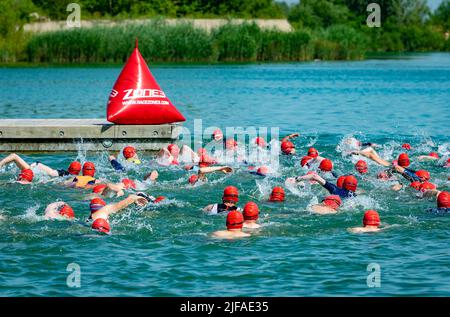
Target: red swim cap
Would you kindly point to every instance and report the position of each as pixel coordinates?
(415, 185)
(312, 152)
(260, 141)
(67, 211)
(99, 188)
(434, 154)
(426, 186)
(350, 183)
(406, 146)
(371, 218)
(305, 160)
(26, 175)
(277, 194)
(193, 179)
(231, 144)
(263, 170)
(230, 194)
(128, 183)
(326, 165)
(448, 163)
(443, 200)
(129, 152)
(287, 147)
(423, 175)
(74, 168)
(89, 169)
(332, 201)
(101, 225)
(251, 211)
(340, 181)
(96, 204)
(173, 149)
(361, 166)
(403, 160)
(158, 199)
(235, 220)
(217, 135)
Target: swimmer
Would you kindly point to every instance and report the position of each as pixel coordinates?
(235, 222)
(443, 204)
(355, 144)
(326, 166)
(447, 163)
(169, 155)
(59, 210)
(329, 205)
(361, 167)
(114, 189)
(306, 161)
(251, 213)
(86, 180)
(217, 135)
(277, 194)
(100, 211)
(229, 199)
(130, 155)
(202, 171)
(173, 155)
(287, 147)
(371, 222)
(260, 171)
(349, 185)
(433, 156)
(409, 174)
(26, 175)
(260, 142)
(407, 146)
(371, 154)
(74, 169)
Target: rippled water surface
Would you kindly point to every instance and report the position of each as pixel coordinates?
(166, 250)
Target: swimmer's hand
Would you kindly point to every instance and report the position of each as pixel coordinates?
(140, 199)
(227, 170)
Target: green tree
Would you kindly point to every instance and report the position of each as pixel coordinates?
(441, 16)
(318, 13)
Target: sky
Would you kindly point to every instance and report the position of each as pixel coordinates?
(433, 4)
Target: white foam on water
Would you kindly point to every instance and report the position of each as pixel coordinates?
(31, 215)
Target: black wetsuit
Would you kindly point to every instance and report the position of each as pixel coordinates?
(224, 208)
(341, 192)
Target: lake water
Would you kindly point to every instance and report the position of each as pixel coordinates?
(166, 250)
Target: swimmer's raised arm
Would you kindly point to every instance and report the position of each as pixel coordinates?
(46, 169)
(290, 136)
(427, 158)
(373, 155)
(315, 177)
(114, 208)
(16, 159)
(211, 169)
(114, 188)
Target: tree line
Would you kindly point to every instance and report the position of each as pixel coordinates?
(406, 25)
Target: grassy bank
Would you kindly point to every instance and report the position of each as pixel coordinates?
(159, 42)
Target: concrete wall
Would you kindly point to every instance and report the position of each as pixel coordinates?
(206, 24)
(24, 135)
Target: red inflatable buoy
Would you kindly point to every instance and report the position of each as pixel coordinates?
(136, 97)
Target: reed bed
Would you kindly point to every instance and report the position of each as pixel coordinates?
(160, 42)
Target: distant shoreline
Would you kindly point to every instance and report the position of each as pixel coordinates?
(369, 56)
